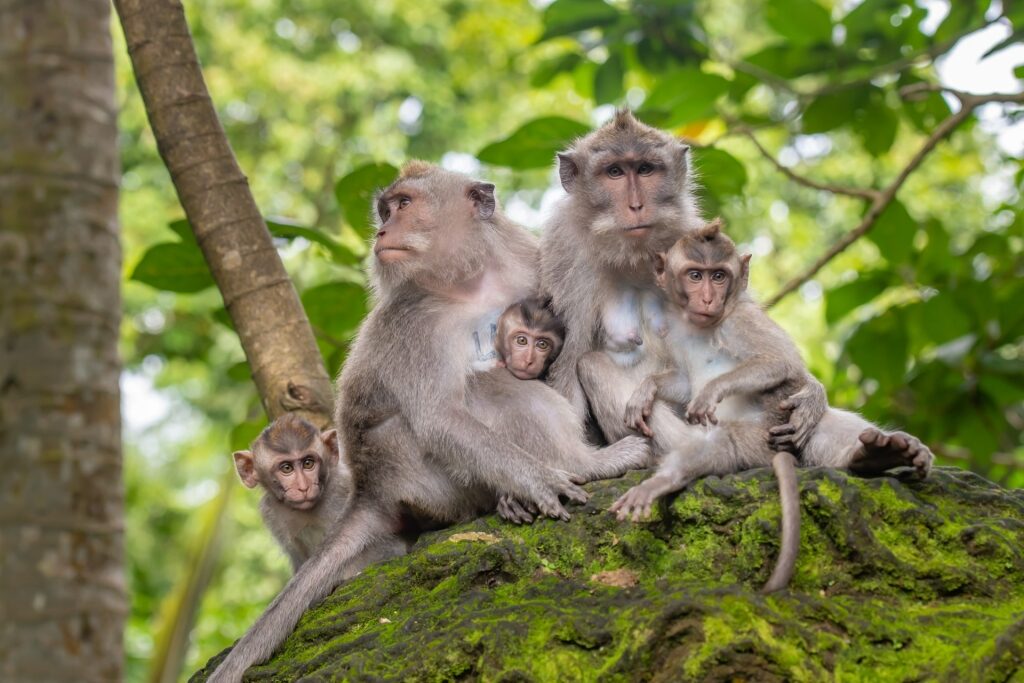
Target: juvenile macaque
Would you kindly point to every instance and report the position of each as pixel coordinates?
(734, 369)
(631, 194)
(529, 338)
(422, 432)
(307, 486)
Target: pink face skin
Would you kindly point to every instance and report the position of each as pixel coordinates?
(295, 479)
(632, 183)
(527, 353)
(400, 216)
(701, 290)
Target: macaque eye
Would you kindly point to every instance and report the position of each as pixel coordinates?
(694, 275)
(615, 172)
(718, 276)
(404, 202)
(543, 344)
(521, 340)
(308, 463)
(645, 168)
(286, 467)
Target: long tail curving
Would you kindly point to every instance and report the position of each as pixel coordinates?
(784, 465)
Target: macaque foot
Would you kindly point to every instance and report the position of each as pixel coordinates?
(881, 451)
(636, 503)
(511, 510)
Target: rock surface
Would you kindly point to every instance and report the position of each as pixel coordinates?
(897, 580)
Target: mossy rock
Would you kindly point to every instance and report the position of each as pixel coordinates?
(897, 580)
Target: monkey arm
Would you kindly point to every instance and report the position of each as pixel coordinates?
(672, 385)
(363, 528)
(807, 407)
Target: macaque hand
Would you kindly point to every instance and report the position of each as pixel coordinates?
(806, 408)
(512, 510)
(701, 409)
(544, 490)
(639, 407)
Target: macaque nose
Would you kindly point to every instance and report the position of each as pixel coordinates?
(636, 206)
(381, 233)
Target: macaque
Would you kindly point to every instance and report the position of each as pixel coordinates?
(631, 194)
(734, 371)
(529, 338)
(417, 381)
(307, 486)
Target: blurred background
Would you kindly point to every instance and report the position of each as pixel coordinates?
(788, 103)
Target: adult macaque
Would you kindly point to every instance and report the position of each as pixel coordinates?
(735, 368)
(446, 264)
(529, 338)
(307, 487)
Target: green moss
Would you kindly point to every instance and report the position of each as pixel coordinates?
(922, 580)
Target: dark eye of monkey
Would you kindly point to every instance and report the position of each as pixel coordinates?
(521, 339)
(543, 344)
(308, 463)
(645, 168)
(286, 467)
(695, 275)
(718, 276)
(404, 202)
(614, 172)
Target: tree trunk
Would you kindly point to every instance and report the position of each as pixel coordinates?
(271, 323)
(62, 592)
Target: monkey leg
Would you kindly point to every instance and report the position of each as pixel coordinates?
(699, 451)
(844, 439)
(629, 453)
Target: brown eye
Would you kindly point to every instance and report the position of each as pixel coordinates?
(694, 275)
(286, 467)
(404, 202)
(645, 168)
(308, 463)
(614, 172)
(543, 344)
(521, 340)
(718, 276)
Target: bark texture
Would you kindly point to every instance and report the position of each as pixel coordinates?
(264, 307)
(62, 591)
(897, 580)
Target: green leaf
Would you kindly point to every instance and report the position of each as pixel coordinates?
(878, 347)
(243, 434)
(534, 145)
(894, 233)
(720, 172)
(183, 229)
(942, 320)
(240, 372)
(790, 61)
(684, 95)
(222, 316)
(335, 308)
(174, 267)
(281, 227)
(802, 22)
(843, 299)
(569, 16)
(608, 79)
(354, 193)
(832, 110)
(877, 125)
(549, 69)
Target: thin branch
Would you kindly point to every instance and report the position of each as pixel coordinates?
(882, 201)
(866, 194)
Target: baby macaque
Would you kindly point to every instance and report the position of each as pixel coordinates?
(307, 486)
(529, 338)
(735, 370)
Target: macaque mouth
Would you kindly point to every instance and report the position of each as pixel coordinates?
(390, 253)
(307, 504)
(637, 230)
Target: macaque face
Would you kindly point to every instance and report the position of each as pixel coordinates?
(298, 478)
(631, 183)
(528, 352)
(405, 224)
(706, 289)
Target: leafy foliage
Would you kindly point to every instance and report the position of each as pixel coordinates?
(918, 324)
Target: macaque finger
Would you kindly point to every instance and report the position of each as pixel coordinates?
(782, 430)
(787, 404)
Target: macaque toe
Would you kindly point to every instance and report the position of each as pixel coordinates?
(881, 451)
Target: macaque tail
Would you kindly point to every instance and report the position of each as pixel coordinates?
(785, 471)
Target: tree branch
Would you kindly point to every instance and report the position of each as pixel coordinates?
(866, 194)
(969, 103)
(287, 368)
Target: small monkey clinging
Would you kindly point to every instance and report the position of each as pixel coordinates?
(529, 338)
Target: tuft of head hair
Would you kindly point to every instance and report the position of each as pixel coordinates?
(536, 314)
(708, 244)
(415, 169)
(287, 434)
(624, 119)
(712, 231)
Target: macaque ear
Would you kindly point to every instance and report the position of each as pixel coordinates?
(659, 270)
(331, 447)
(482, 195)
(682, 154)
(744, 270)
(246, 467)
(568, 170)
